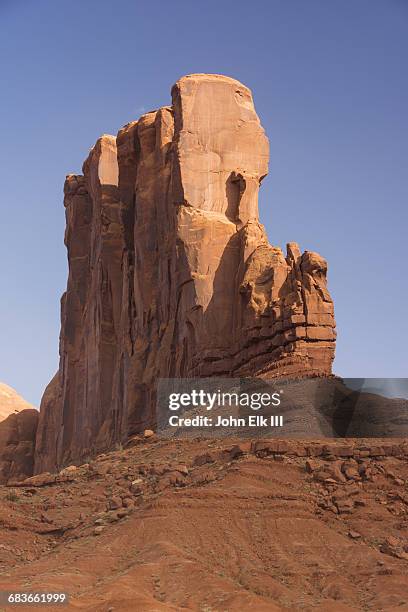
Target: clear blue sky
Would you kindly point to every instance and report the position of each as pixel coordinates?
(330, 83)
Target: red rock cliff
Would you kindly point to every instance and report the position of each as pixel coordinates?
(171, 273)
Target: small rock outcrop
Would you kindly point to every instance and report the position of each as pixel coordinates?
(17, 445)
(18, 426)
(171, 273)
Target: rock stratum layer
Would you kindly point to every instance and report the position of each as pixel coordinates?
(171, 273)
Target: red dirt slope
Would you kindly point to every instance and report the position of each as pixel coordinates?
(193, 525)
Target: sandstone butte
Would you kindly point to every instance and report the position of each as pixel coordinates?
(171, 273)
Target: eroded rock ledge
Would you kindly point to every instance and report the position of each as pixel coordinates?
(171, 274)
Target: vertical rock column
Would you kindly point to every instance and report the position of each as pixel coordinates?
(81, 408)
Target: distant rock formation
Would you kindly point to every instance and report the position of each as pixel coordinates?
(171, 273)
(18, 425)
(11, 402)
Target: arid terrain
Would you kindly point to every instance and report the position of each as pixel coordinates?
(215, 526)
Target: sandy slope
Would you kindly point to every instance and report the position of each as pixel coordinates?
(211, 529)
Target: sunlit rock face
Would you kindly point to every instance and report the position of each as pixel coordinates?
(171, 273)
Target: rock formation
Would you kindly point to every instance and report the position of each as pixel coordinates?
(11, 402)
(18, 425)
(171, 273)
(17, 442)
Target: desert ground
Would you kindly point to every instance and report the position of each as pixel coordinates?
(214, 526)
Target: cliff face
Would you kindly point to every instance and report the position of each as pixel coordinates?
(171, 273)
